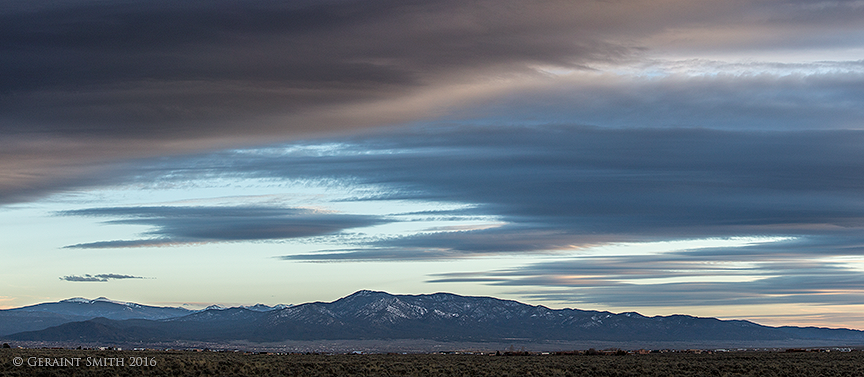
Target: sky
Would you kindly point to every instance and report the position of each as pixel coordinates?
(664, 156)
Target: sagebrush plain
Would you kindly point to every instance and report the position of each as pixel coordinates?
(190, 363)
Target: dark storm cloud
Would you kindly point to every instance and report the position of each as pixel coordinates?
(721, 97)
(190, 225)
(182, 70)
(90, 83)
(161, 68)
(98, 278)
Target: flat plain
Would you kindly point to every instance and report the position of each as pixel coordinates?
(189, 363)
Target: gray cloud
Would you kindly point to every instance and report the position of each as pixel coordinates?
(575, 186)
(165, 69)
(98, 278)
(377, 254)
(560, 188)
(88, 83)
(190, 225)
(93, 91)
(710, 277)
(734, 97)
(34, 166)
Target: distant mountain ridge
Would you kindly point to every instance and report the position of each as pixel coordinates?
(440, 316)
(103, 307)
(45, 315)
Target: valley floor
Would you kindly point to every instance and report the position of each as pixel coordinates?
(60, 362)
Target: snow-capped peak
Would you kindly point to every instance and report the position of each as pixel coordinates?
(124, 303)
(82, 300)
(264, 308)
(77, 300)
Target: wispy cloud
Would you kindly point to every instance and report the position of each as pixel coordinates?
(744, 275)
(562, 189)
(98, 278)
(194, 225)
(558, 188)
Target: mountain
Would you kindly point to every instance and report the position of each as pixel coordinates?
(45, 315)
(103, 307)
(443, 316)
(17, 321)
(439, 316)
(255, 308)
(264, 308)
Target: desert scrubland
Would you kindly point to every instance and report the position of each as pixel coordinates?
(63, 362)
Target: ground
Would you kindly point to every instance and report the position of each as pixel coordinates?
(192, 363)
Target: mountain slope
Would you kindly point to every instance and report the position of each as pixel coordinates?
(45, 315)
(16, 321)
(103, 307)
(443, 316)
(439, 316)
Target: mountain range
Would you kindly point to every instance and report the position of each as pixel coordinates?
(379, 315)
(49, 314)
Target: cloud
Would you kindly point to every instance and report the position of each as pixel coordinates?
(748, 96)
(553, 190)
(563, 189)
(748, 275)
(89, 84)
(376, 254)
(129, 70)
(34, 166)
(580, 124)
(98, 278)
(568, 187)
(192, 225)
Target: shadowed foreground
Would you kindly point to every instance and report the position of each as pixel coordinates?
(187, 363)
